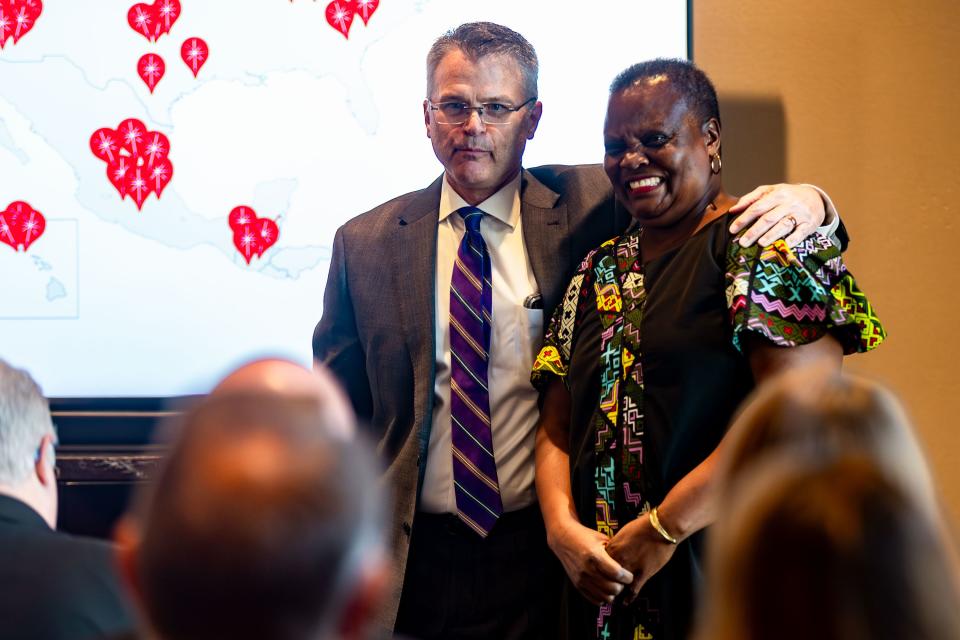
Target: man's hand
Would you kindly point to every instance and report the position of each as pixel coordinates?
(641, 550)
(594, 573)
(777, 211)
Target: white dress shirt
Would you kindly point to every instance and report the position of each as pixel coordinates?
(515, 339)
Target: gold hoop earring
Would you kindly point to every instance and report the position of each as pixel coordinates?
(716, 169)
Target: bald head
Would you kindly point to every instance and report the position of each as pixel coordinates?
(284, 378)
(262, 517)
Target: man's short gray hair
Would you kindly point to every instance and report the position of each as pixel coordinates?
(481, 39)
(24, 420)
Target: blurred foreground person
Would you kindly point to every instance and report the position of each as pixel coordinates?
(53, 585)
(818, 414)
(265, 522)
(834, 551)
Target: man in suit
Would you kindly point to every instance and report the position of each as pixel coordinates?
(265, 521)
(54, 585)
(490, 245)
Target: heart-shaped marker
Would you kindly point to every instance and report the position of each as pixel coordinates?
(252, 235)
(21, 225)
(268, 232)
(366, 8)
(17, 18)
(160, 176)
(195, 52)
(153, 20)
(105, 144)
(117, 174)
(136, 158)
(340, 14)
(151, 68)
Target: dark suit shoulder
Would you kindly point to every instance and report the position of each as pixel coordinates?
(385, 216)
(585, 192)
(588, 179)
(67, 586)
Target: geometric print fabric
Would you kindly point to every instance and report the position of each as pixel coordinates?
(789, 296)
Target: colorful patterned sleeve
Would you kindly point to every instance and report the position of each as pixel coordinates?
(554, 356)
(795, 296)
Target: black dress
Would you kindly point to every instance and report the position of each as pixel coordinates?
(650, 354)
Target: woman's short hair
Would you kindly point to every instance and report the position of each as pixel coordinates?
(685, 78)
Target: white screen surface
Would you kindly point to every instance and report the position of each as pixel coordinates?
(287, 116)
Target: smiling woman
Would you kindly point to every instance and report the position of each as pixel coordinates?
(661, 334)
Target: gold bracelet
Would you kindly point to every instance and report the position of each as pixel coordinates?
(655, 521)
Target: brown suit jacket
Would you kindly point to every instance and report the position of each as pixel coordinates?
(377, 332)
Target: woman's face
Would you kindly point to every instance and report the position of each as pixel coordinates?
(657, 156)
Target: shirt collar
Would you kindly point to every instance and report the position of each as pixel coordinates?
(504, 205)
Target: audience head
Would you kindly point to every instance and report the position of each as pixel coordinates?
(834, 551)
(818, 414)
(285, 378)
(27, 439)
(264, 522)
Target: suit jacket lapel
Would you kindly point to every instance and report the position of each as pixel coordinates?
(545, 235)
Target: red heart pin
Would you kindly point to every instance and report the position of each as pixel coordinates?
(153, 20)
(17, 18)
(151, 68)
(156, 147)
(167, 14)
(160, 176)
(194, 52)
(252, 235)
(340, 15)
(21, 225)
(117, 175)
(131, 133)
(240, 216)
(267, 232)
(141, 19)
(138, 185)
(366, 8)
(136, 158)
(105, 144)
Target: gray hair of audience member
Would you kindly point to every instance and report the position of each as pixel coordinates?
(478, 40)
(834, 551)
(260, 523)
(24, 421)
(818, 414)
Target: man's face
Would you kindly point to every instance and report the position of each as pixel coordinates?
(480, 158)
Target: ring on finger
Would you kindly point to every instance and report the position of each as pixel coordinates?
(793, 221)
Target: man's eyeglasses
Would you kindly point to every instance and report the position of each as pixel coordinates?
(457, 113)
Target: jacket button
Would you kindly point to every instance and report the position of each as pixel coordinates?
(406, 528)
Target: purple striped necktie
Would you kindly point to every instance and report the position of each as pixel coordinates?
(471, 300)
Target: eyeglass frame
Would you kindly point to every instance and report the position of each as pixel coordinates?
(435, 107)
